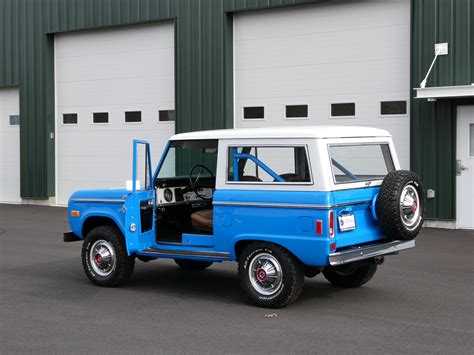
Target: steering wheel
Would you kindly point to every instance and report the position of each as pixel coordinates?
(193, 183)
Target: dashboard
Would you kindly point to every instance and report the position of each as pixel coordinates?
(181, 194)
(176, 190)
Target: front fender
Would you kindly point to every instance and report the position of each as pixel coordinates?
(312, 251)
(110, 212)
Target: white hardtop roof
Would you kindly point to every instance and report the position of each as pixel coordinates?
(286, 132)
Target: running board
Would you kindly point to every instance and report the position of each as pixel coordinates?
(199, 254)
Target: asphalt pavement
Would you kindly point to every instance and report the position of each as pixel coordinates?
(421, 301)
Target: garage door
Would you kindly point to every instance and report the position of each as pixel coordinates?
(112, 86)
(9, 145)
(334, 63)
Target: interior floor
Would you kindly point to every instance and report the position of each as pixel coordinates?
(173, 221)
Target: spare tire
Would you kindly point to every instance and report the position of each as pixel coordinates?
(400, 205)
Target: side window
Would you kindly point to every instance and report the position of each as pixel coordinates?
(268, 164)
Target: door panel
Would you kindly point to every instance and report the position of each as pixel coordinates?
(114, 70)
(139, 230)
(306, 55)
(140, 204)
(9, 146)
(465, 168)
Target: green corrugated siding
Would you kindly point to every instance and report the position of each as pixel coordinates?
(204, 96)
(433, 124)
(204, 76)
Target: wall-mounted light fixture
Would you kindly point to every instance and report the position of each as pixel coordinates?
(440, 49)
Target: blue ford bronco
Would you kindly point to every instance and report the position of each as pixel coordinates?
(284, 203)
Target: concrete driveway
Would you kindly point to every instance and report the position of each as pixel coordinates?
(421, 301)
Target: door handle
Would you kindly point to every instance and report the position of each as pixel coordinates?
(459, 167)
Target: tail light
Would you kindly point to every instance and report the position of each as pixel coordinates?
(319, 227)
(331, 224)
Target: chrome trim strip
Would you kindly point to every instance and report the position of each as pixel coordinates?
(201, 254)
(353, 203)
(286, 205)
(370, 251)
(98, 200)
(276, 205)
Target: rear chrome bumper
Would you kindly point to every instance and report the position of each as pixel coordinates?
(369, 251)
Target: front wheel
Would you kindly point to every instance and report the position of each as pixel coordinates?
(350, 275)
(269, 275)
(104, 257)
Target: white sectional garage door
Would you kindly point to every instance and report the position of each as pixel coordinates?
(9, 145)
(112, 86)
(337, 58)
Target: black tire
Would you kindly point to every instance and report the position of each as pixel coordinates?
(350, 275)
(106, 237)
(289, 284)
(193, 265)
(388, 205)
(311, 271)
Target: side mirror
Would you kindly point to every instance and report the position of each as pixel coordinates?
(129, 185)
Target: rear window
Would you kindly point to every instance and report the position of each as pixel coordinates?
(360, 162)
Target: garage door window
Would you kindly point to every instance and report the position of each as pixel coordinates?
(100, 117)
(393, 108)
(254, 113)
(296, 111)
(69, 118)
(133, 117)
(343, 110)
(167, 115)
(263, 164)
(14, 120)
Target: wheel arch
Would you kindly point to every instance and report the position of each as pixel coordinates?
(94, 221)
(241, 244)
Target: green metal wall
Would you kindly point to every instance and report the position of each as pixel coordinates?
(433, 124)
(204, 95)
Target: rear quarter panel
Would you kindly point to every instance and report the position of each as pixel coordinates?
(287, 218)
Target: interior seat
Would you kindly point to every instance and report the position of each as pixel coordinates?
(250, 178)
(290, 177)
(203, 220)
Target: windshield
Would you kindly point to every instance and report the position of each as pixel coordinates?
(182, 156)
(360, 162)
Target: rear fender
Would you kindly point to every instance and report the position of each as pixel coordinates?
(310, 251)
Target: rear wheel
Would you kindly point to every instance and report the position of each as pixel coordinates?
(192, 265)
(269, 275)
(104, 257)
(350, 275)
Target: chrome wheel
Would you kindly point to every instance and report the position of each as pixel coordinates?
(102, 258)
(265, 274)
(410, 208)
